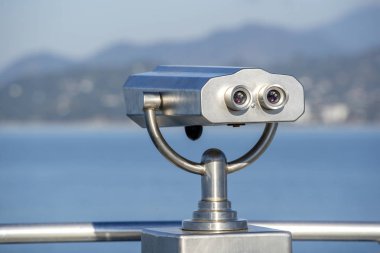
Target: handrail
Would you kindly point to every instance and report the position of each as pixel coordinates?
(131, 231)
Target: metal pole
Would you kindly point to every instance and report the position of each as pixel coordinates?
(327, 231)
(214, 180)
(77, 232)
(131, 231)
(214, 210)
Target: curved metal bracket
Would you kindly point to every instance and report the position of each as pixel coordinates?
(152, 102)
(256, 151)
(214, 212)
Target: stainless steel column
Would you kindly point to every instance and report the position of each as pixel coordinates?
(214, 210)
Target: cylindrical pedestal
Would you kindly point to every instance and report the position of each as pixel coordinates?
(214, 210)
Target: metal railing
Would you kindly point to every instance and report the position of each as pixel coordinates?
(131, 231)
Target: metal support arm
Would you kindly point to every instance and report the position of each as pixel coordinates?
(257, 150)
(152, 103)
(214, 210)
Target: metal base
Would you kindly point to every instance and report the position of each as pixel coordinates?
(214, 216)
(214, 226)
(253, 240)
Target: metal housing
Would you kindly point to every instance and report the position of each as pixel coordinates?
(193, 95)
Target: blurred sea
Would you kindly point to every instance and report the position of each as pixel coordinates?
(66, 174)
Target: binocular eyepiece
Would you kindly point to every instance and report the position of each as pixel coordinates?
(203, 96)
(270, 97)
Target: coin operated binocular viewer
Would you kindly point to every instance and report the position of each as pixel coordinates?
(194, 97)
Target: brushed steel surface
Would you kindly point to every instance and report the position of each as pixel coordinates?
(196, 95)
(327, 231)
(28, 233)
(256, 151)
(214, 212)
(179, 87)
(77, 232)
(215, 110)
(164, 148)
(253, 240)
(213, 168)
(131, 231)
(214, 180)
(212, 225)
(150, 111)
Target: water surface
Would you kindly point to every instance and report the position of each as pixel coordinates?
(71, 174)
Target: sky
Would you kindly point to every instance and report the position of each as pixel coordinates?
(79, 28)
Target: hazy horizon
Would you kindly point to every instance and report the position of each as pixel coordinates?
(337, 62)
(42, 26)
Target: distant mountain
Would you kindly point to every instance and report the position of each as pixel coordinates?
(257, 44)
(247, 45)
(338, 64)
(355, 32)
(251, 45)
(338, 90)
(36, 64)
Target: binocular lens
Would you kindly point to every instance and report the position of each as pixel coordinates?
(273, 96)
(240, 97)
(237, 98)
